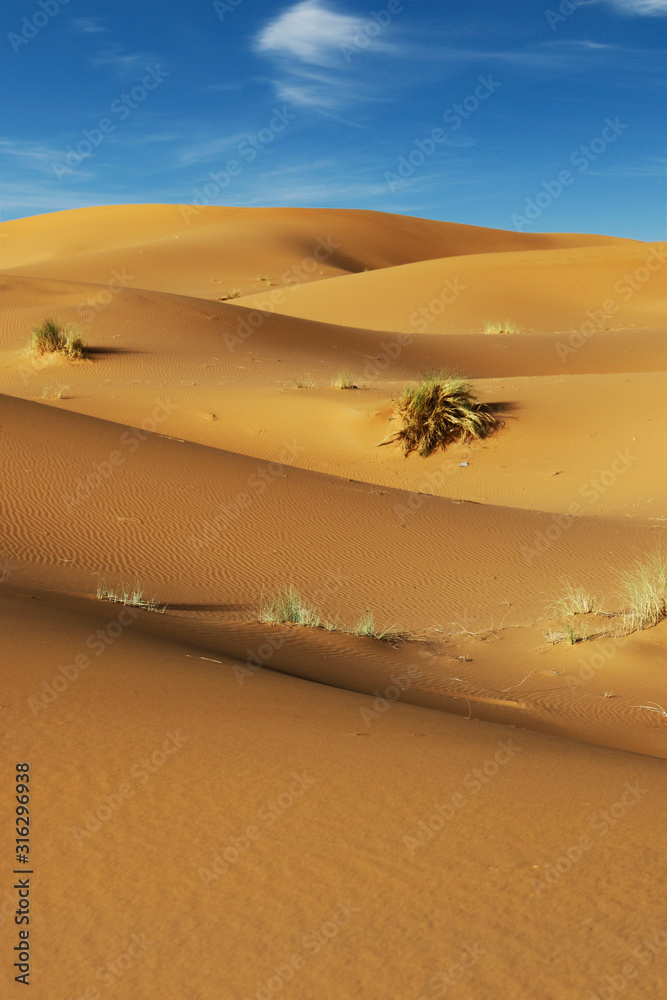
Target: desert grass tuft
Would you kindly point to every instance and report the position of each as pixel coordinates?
(303, 383)
(343, 380)
(366, 627)
(576, 601)
(128, 594)
(440, 410)
(500, 326)
(51, 338)
(287, 605)
(234, 294)
(645, 590)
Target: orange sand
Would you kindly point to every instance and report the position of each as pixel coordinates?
(354, 819)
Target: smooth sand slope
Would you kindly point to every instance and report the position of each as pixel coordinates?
(582, 290)
(310, 811)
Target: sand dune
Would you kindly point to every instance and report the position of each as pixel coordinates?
(579, 291)
(202, 449)
(210, 251)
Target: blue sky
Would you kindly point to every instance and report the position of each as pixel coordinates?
(532, 116)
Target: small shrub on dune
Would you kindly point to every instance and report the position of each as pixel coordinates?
(50, 338)
(439, 411)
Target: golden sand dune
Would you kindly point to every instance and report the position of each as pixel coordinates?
(211, 251)
(257, 808)
(580, 292)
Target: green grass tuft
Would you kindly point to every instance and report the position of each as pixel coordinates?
(440, 410)
(304, 383)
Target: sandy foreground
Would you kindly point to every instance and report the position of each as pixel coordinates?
(227, 809)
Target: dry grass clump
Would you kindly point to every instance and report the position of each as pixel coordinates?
(366, 627)
(440, 410)
(343, 380)
(236, 293)
(645, 590)
(128, 594)
(50, 338)
(500, 326)
(576, 601)
(286, 605)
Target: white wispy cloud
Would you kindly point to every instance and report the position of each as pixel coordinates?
(313, 32)
(641, 7)
(88, 25)
(316, 50)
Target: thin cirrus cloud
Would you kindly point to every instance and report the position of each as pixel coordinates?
(88, 25)
(645, 7)
(125, 63)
